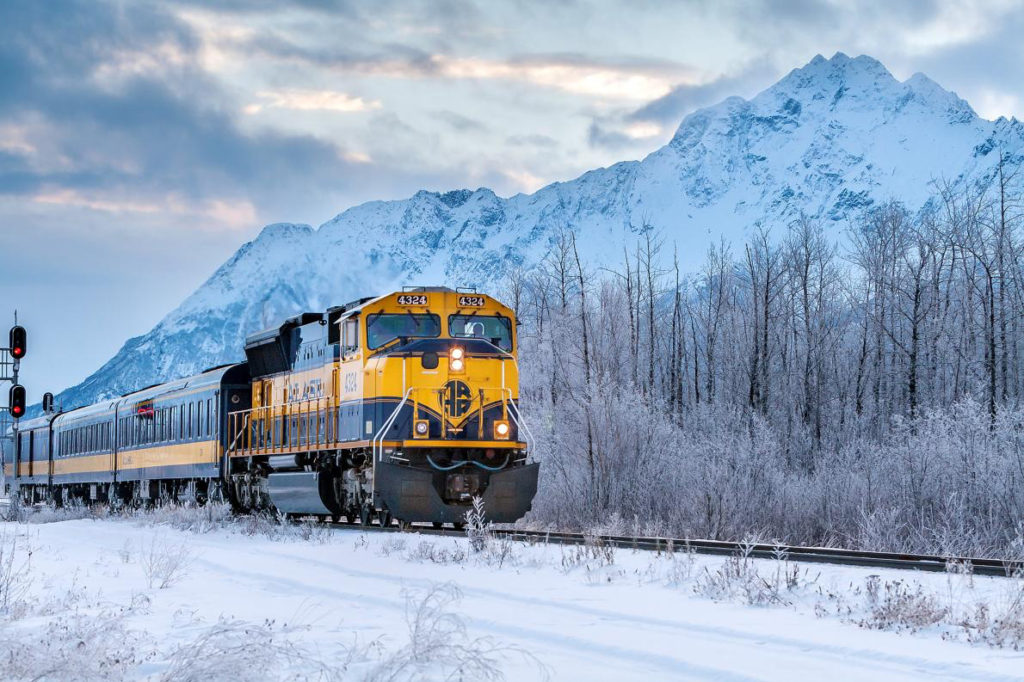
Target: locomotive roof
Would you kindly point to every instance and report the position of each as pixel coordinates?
(271, 333)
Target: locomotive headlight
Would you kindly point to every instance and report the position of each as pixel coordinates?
(501, 430)
(421, 428)
(456, 359)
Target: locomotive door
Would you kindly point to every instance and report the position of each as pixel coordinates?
(31, 453)
(262, 405)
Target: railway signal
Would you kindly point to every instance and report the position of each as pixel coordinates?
(18, 340)
(47, 403)
(16, 401)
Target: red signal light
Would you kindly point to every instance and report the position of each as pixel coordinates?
(18, 342)
(17, 401)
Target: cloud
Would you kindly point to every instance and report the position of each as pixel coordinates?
(525, 181)
(127, 134)
(533, 140)
(600, 135)
(632, 79)
(312, 100)
(573, 75)
(686, 98)
(237, 215)
(457, 121)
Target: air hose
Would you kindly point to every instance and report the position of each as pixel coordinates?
(456, 465)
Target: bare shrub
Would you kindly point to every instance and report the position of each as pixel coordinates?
(500, 550)
(15, 578)
(593, 553)
(81, 645)
(738, 578)
(165, 563)
(478, 528)
(895, 605)
(263, 523)
(70, 511)
(429, 551)
(999, 622)
(205, 519)
(439, 645)
(391, 545)
(313, 531)
(237, 650)
(681, 565)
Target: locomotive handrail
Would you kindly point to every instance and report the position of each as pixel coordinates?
(238, 435)
(379, 436)
(263, 430)
(517, 417)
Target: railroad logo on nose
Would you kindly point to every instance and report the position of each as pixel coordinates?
(456, 398)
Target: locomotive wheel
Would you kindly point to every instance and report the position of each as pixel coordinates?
(384, 518)
(437, 525)
(459, 525)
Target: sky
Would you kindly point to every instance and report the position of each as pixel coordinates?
(141, 143)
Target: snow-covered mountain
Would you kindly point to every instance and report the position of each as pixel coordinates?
(829, 139)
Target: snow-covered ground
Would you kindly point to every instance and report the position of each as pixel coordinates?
(176, 595)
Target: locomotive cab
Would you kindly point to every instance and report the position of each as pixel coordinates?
(445, 390)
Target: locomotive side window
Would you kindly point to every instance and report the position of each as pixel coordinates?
(350, 336)
(496, 329)
(383, 328)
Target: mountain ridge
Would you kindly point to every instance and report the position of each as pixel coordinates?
(829, 140)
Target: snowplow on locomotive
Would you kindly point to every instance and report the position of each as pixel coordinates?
(403, 406)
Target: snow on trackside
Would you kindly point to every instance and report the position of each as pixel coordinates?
(201, 595)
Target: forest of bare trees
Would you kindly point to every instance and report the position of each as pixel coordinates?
(857, 384)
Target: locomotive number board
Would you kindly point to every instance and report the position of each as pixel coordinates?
(412, 299)
(471, 301)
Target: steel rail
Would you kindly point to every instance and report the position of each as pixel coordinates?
(819, 555)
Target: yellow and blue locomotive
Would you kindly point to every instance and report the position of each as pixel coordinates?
(403, 406)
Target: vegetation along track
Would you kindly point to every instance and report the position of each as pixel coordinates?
(820, 555)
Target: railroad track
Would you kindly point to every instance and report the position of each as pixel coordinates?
(818, 555)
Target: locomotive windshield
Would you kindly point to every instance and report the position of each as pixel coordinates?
(386, 327)
(493, 328)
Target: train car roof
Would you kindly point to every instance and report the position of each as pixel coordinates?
(35, 422)
(208, 378)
